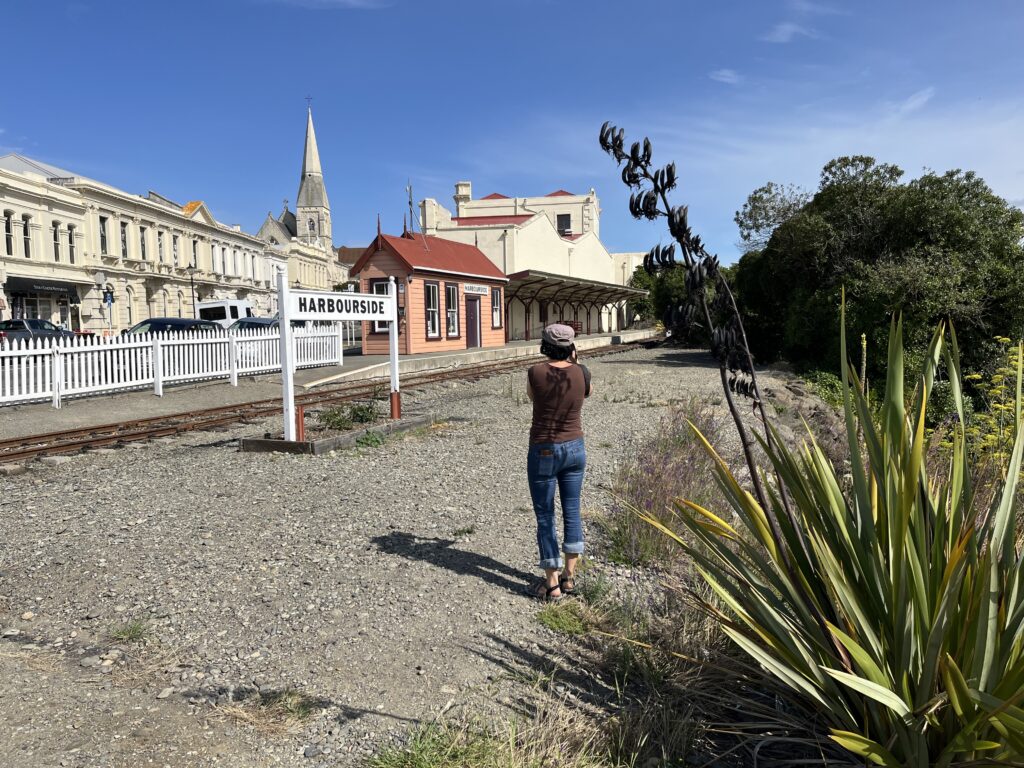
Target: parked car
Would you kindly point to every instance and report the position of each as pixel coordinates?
(163, 324)
(224, 312)
(246, 323)
(17, 330)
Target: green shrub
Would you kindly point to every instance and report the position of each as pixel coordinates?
(345, 417)
(363, 413)
(896, 606)
(827, 386)
(336, 418)
(370, 440)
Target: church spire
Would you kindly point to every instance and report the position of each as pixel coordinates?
(313, 210)
(311, 158)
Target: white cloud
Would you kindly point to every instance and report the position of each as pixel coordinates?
(915, 101)
(728, 76)
(787, 32)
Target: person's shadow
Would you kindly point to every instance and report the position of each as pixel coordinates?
(441, 553)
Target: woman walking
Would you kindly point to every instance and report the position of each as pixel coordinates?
(557, 457)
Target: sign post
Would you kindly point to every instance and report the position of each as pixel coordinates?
(287, 364)
(330, 307)
(396, 395)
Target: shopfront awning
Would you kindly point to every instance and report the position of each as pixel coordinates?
(42, 285)
(531, 285)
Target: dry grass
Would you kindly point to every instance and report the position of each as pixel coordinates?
(557, 736)
(37, 661)
(672, 465)
(275, 713)
(151, 663)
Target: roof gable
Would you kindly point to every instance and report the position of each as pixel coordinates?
(196, 209)
(426, 252)
(559, 193)
(495, 196)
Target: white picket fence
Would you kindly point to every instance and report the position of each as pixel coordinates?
(54, 369)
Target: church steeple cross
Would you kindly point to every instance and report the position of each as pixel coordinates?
(309, 102)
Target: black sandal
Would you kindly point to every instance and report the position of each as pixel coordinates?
(567, 591)
(547, 597)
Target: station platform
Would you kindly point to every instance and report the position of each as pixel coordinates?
(38, 418)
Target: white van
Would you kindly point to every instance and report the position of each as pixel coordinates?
(226, 311)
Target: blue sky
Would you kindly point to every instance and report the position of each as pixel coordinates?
(206, 100)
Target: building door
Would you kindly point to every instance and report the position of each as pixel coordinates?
(472, 321)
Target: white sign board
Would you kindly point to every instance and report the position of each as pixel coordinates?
(480, 290)
(327, 306)
(332, 307)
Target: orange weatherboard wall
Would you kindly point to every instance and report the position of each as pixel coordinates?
(382, 260)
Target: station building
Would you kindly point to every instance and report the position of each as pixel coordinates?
(450, 295)
(550, 250)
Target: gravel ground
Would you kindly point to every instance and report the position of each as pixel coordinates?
(385, 583)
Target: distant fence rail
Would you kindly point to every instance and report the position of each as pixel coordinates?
(55, 369)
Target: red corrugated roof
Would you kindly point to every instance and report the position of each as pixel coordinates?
(560, 193)
(572, 237)
(437, 254)
(479, 221)
(495, 196)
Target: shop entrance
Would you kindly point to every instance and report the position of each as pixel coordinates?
(472, 322)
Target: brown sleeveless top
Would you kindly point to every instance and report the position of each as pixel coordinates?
(558, 395)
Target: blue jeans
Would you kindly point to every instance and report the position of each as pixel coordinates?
(549, 465)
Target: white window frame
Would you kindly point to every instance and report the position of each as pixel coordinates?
(497, 310)
(451, 312)
(432, 314)
(380, 288)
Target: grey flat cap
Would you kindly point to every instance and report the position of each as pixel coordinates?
(559, 335)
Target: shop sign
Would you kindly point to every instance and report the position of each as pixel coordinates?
(479, 290)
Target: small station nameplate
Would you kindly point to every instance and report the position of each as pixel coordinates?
(330, 306)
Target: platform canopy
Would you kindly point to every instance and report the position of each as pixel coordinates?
(545, 290)
(531, 285)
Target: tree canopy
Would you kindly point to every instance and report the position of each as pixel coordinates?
(942, 246)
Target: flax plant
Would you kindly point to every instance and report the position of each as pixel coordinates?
(894, 598)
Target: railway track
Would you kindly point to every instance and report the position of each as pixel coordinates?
(29, 447)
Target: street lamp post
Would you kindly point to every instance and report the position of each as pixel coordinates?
(191, 269)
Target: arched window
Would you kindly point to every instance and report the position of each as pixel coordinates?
(181, 304)
(312, 226)
(252, 267)
(71, 243)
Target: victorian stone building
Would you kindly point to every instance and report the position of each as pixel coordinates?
(68, 240)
